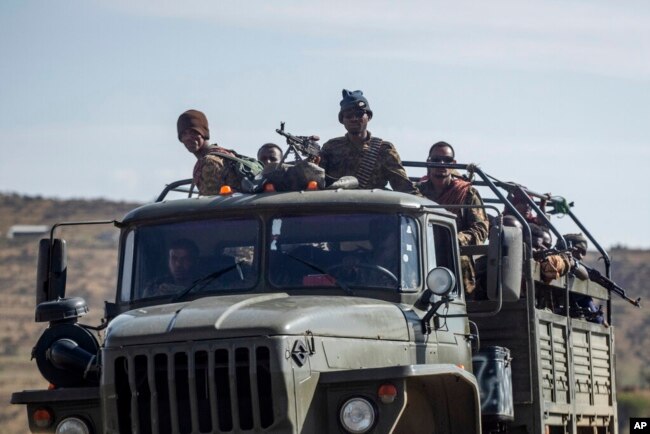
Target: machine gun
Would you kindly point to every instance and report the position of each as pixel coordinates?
(609, 285)
(300, 145)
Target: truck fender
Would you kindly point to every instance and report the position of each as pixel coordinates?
(435, 398)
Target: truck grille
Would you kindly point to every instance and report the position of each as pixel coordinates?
(194, 391)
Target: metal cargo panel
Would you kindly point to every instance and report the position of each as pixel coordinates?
(554, 369)
(592, 360)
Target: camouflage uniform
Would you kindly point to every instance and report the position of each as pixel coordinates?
(211, 172)
(472, 225)
(340, 157)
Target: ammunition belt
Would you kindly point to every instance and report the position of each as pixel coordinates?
(367, 165)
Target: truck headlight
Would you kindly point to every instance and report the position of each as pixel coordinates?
(357, 415)
(72, 425)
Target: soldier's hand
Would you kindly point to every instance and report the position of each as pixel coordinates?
(549, 269)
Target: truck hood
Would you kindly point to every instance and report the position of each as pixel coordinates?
(242, 315)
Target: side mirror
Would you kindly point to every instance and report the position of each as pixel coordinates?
(51, 270)
(508, 265)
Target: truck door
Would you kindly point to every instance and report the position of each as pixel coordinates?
(442, 251)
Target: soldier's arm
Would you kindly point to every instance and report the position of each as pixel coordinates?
(476, 220)
(210, 177)
(325, 158)
(395, 172)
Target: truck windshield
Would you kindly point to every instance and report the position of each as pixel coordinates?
(213, 255)
(358, 250)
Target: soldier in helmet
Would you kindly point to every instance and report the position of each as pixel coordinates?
(578, 245)
(212, 170)
(372, 160)
(582, 305)
(552, 266)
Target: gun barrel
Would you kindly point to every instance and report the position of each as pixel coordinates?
(611, 286)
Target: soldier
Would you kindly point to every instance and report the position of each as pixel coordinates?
(269, 153)
(582, 305)
(181, 262)
(211, 171)
(372, 160)
(578, 245)
(520, 201)
(443, 187)
(552, 266)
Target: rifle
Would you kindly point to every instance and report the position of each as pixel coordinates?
(305, 145)
(541, 255)
(595, 276)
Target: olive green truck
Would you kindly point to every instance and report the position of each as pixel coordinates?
(332, 311)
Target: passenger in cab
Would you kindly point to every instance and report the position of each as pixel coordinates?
(213, 168)
(373, 161)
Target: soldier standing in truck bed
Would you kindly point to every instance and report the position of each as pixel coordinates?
(372, 160)
(212, 170)
(441, 186)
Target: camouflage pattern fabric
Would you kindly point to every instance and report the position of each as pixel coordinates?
(340, 157)
(554, 266)
(472, 223)
(211, 172)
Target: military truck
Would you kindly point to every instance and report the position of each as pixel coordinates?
(329, 311)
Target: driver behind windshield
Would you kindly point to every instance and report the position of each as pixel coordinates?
(182, 269)
(377, 266)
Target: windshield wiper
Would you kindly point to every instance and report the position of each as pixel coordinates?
(315, 267)
(205, 280)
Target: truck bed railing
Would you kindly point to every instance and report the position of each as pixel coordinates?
(177, 186)
(559, 203)
(559, 206)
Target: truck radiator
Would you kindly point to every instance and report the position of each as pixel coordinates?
(194, 391)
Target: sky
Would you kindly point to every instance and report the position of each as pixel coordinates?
(554, 95)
